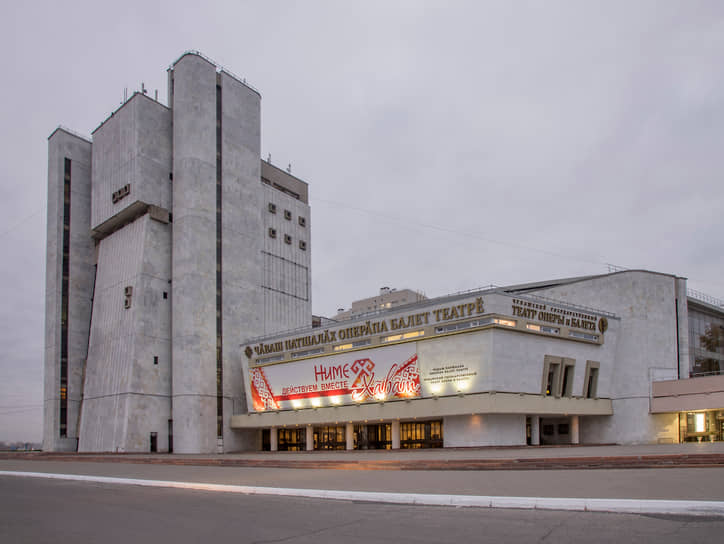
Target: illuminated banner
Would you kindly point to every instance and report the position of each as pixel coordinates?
(379, 374)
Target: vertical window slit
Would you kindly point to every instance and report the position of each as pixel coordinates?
(219, 331)
(65, 284)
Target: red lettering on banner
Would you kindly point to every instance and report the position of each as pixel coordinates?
(401, 381)
(325, 374)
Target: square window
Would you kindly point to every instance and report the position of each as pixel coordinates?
(272, 208)
(302, 221)
(302, 245)
(287, 239)
(287, 215)
(272, 233)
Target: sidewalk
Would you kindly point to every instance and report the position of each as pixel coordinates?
(405, 476)
(489, 458)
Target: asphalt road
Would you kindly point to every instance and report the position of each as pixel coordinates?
(663, 483)
(39, 510)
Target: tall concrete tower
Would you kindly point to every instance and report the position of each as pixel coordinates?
(217, 236)
(177, 248)
(70, 273)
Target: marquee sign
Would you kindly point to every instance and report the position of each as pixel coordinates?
(370, 375)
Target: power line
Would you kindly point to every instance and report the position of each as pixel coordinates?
(449, 230)
(21, 222)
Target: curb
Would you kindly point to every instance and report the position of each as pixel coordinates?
(630, 506)
(676, 460)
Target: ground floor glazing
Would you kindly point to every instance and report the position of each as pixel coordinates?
(417, 434)
(701, 426)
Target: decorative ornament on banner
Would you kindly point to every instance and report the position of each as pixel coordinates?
(342, 380)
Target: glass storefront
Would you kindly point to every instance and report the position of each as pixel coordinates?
(705, 426)
(373, 437)
(706, 343)
(329, 437)
(423, 434)
(292, 439)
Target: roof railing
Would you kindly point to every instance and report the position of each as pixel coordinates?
(703, 297)
(219, 68)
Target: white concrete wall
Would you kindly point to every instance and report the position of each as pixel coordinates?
(286, 277)
(519, 360)
(645, 302)
(484, 430)
(63, 145)
(126, 395)
(194, 255)
(132, 147)
(242, 299)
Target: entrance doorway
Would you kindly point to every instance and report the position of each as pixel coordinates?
(292, 439)
(377, 436)
(423, 434)
(329, 438)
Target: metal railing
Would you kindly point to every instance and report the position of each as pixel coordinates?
(703, 297)
(219, 68)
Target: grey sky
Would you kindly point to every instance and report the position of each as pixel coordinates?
(448, 145)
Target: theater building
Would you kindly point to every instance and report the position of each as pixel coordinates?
(169, 241)
(626, 357)
(176, 255)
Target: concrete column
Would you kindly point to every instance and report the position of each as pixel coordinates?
(575, 435)
(535, 430)
(395, 435)
(349, 435)
(61, 146)
(274, 439)
(310, 438)
(194, 394)
(683, 329)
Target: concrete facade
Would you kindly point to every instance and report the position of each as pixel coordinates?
(170, 223)
(69, 326)
(577, 360)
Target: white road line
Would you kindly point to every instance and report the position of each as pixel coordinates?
(635, 506)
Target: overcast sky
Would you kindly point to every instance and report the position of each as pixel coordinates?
(448, 145)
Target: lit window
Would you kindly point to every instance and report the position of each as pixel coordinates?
(357, 344)
(505, 322)
(699, 422)
(405, 336)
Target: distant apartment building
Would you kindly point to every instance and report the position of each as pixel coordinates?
(388, 298)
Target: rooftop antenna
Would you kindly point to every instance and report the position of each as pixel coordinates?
(156, 95)
(289, 168)
(125, 95)
(143, 88)
(268, 159)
